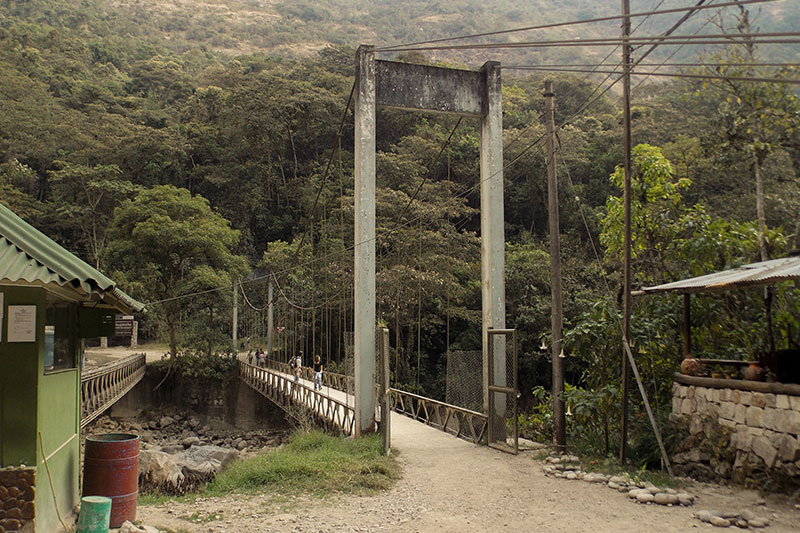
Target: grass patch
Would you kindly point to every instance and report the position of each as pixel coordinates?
(312, 463)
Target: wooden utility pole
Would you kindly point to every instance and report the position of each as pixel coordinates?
(235, 319)
(556, 320)
(270, 318)
(626, 304)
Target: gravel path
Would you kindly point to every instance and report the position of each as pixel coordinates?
(450, 485)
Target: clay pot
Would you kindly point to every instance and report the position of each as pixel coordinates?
(754, 372)
(690, 366)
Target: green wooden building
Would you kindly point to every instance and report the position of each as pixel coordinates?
(49, 301)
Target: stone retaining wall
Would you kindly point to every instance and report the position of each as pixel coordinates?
(749, 438)
(17, 494)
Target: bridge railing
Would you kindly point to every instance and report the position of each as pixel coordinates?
(102, 387)
(340, 382)
(297, 398)
(463, 423)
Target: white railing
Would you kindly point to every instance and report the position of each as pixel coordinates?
(103, 386)
(297, 398)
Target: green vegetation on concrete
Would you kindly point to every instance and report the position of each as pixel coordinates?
(312, 463)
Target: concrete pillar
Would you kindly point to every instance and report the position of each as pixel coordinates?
(492, 229)
(135, 333)
(364, 266)
(104, 342)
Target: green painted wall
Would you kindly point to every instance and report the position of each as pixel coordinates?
(59, 424)
(21, 363)
(32, 402)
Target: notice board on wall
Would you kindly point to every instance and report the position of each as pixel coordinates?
(21, 323)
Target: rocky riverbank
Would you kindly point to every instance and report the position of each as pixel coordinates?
(179, 452)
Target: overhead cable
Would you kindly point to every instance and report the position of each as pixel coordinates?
(400, 47)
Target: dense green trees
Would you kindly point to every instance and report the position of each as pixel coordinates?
(166, 243)
(127, 136)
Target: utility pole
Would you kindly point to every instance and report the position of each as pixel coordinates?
(270, 324)
(626, 304)
(235, 327)
(556, 320)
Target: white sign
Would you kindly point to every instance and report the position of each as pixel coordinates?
(21, 323)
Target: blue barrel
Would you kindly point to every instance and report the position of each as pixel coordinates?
(111, 469)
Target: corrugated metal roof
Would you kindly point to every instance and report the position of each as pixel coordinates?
(28, 255)
(763, 273)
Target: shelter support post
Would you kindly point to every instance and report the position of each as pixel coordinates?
(687, 326)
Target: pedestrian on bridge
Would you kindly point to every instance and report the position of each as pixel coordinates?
(317, 373)
(298, 365)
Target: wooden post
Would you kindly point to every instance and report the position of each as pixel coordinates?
(556, 321)
(687, 327)
(235, 319)
(270, 319)
(626, 305)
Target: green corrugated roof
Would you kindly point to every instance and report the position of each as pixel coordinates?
(28, 255)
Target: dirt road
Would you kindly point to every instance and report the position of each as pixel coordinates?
(450, 485)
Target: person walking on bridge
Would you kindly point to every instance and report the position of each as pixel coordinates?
(298, 365)
(317, 373)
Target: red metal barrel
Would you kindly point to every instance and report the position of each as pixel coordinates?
(111, 469)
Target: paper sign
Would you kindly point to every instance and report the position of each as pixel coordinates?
(21, 323)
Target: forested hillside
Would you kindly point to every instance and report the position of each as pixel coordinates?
(222, 117)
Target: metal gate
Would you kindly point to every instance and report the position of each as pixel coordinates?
(503, 423)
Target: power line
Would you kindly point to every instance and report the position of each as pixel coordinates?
(667, 75)
(716, 38)
(397, 48)
(589, 65)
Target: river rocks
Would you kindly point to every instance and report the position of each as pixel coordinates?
(17, 498)
(744, 519)
(128, 527)
(568, 467)
(181, 471)
(719, 521)
(664, 498)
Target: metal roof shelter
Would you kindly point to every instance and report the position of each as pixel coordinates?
(28, 256)
(754, 274)
(50, 301)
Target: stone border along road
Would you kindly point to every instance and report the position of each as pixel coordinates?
(450, 485)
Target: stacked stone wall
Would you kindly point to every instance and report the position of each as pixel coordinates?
(746, 437)
(17, 495)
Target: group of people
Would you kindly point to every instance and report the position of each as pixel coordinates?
(260, 356)
(296, 364)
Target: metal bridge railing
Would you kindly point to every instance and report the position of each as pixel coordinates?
(297, 398)
(103, 386)
(463, 423)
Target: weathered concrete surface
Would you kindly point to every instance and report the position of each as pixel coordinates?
(424, 87)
